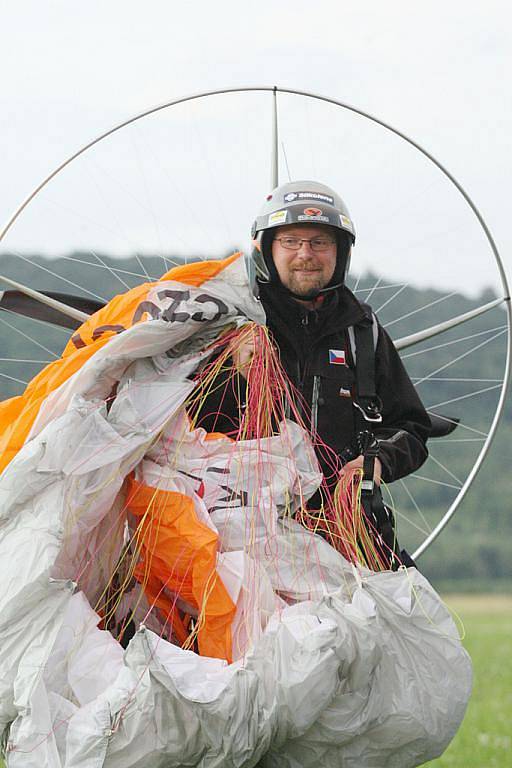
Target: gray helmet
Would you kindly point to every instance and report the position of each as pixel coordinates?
(301, 202)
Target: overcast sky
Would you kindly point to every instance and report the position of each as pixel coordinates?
(439, 71)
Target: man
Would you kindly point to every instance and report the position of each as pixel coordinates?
(356, 393)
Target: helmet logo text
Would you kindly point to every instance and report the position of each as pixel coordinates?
(318, 196)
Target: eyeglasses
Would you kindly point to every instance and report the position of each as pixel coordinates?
(317, 244)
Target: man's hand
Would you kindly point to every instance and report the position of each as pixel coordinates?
(242, 353)
(358, 464)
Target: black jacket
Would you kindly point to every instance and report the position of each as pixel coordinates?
(304, 339)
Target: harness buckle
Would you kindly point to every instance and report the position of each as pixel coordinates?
(371, 409)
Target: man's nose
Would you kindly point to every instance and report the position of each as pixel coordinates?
(305, 248)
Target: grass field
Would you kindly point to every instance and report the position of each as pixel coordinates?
(485, 738)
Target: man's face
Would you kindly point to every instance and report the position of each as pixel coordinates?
(304, 272)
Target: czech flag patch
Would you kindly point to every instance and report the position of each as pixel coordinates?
(337, 357)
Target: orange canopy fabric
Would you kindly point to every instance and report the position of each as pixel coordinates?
(178, 558)
(19, 413)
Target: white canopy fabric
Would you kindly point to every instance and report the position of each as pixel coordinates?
(333, 665)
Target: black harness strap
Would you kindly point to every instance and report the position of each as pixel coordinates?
(366, 400)
(368, 414)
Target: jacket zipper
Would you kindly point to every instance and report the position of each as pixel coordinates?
(301, 378)
(314, 405)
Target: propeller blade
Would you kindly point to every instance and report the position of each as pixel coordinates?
(60, 309)
(442, 425)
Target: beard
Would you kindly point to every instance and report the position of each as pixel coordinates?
(306, 283)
